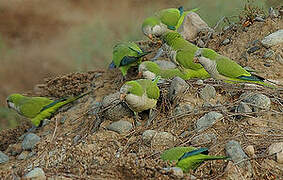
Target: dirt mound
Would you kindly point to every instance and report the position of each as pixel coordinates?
(69, 148)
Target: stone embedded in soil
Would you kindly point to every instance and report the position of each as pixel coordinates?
(120, 126)
(30, 140)
(176, 171)
(162, 141)
(117, 112)
(163, 64)
(226, 41)
(207, 120)
(208, 92)
(148, 135)
(36, 173)
(23, 155)
(192, 25)
(256, 101)
(250, 150)
(199, 82)
(3, 157)
(278, 149)
(243, 108)
(273, 39)
(178, 87)
(259, 19)
(279, 58)
(203, 139)
(14, 149)
(182, 109)
(268, 54)
(253, 49)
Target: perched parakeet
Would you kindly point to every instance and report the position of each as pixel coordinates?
(182, 52)
(140, 95)
(163, 21)
(127, 54)
(188, 158)
(223, 68)
(37, 108)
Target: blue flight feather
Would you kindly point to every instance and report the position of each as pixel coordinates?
(181, 9)
(194, 152)
(112, 65)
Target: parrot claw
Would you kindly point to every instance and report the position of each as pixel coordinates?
(152, 116)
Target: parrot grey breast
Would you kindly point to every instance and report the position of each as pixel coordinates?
(140, 103)
(210, 66)
(13, 106)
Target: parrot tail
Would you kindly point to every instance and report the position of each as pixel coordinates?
(214, 157)
(252, 78)
(131, 59)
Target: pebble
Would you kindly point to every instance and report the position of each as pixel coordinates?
(117, 112)
(63, 119)
(30, 140)
(199, 82)
(279, 58)
(259, 19)
(208, 92)
(148, 135)
(267, 65)
(203, 139)
(76, 139)
(226, 41)
(162, 141)
(273, 13)
(3, 158)
(273, 39)
(23, 155)
(36, 174)
(253, 49)
(178, 87)
(176, 171)
(258, 101)
(278, 149)
(182, 109)
(243, 108)
(120, 126)
(268, 54)
(14, 149)
(250, 151)
(207, 120)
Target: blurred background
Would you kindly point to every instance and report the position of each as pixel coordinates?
(40, 38)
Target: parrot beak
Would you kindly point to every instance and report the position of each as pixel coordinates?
(122, 97)
(196, 60)
(140, 74)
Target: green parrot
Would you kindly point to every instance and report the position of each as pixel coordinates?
(188, 158)
(163, 21)
(127, 54)
(37, 108)
(182, 52)
(223, 68)
(140, 95)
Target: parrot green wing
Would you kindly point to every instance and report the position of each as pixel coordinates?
(151, 89)
(175, 153)
(136, 88)
(185, 58)
(151, 21)
(169, 17)
(229, 68)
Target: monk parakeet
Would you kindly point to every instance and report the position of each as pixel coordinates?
(37, 108)
(223, 68)
(182, 52)
(188, 158)
(140, 95)
(163, 21)
(127, 54)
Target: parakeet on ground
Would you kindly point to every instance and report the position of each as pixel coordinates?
(181, 52)
(37, 108)
(188, 158)
(140, 95)
(223, 68)
(127, 54)
(164, 20)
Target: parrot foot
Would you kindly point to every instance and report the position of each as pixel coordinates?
(136, 119)
(158, 54)
(151, 117)
(32, 129)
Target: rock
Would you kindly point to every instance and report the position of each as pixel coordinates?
(208, 92)
(279, 58)
(273, 13)
(276, 148)
(117, 112)
(199, 82)
(162, 141)
(203, 139)
(236, 153)
(250, 151)
(259, 19)
(182, 109)
(226, 41)
(165, 64)
(256, 101)
(176, 171)
(23, 155)
(35, 174)
(253, 49)
(207, 120)
(177, 88)
(120, 126)
(243, 108)
(14, 149)
(192, 25)
(147, 136)
(268, 54)
(3, 158)
(273, 39)
(30, 140)
(76, 139)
